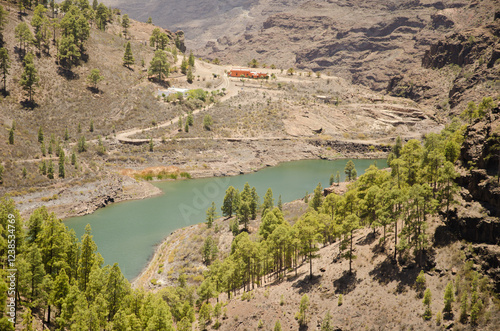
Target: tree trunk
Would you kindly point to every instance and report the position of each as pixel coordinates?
(350, 257)
(48, 314)
(310, 263)
(395, 238)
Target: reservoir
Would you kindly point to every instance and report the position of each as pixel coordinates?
(127, 232)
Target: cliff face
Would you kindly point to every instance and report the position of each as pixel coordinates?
(477, 218)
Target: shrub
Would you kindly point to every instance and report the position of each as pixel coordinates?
(439, 318)
(341, 300)
(207, 122)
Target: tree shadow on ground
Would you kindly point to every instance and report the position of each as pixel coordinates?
(5, 93)
(379, 249)
(367, 240)
(306, 284)
(29, 104)
(94, 90)
(443, 236)
(388, 271)
(67, 73)
(303, 327)
(346, 283)
(84, 57)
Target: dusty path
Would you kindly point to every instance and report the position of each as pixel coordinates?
(203, 67)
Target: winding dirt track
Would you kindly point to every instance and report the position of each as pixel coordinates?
(231, 90)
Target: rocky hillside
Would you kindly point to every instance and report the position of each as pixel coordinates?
(389, 46)
(205, 20)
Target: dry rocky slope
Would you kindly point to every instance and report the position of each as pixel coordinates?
(205, 20)
(390, 46)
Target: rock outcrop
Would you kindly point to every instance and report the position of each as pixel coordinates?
(477, 217)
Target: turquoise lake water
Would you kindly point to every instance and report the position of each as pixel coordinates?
(127, 232)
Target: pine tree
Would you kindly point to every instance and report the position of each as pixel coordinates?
(151, 145)
(73, 159)
(211, 215)
(43, 168)
(1, 174)
(62, 173)
(348, 170)
(3, 18)
(150, 20)
(154, 40)
(191, 59)
(463, 308)
(317, 198)
(337, 178)
(350, 224)
(309, 237)
(11, 136)
(24, 35)
(94, 77)
(66, 134)
(190, 76)
(159, 65)
(420, 283)
(207, 122)
(68, 51)
(27, 320)
(427, 304)
(82, 145)
(40, 135)
(87, 258)
(29, 77)
(36, 271)
(277, 326)
(101, 16)
(280, 203)
(50, 170)
(4, 66)
(327, 324)
(116, 289)
(303, 308)
(449, 298)
(398, 147)
(128, 58)
(230, 204)
(184, 66)
(268, 201)
(60, 289)
(125, 23)
(244, 214)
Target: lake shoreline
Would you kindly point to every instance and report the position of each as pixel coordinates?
(146, 224)
(83, 199)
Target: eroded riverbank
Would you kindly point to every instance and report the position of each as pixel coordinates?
(78, 198)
